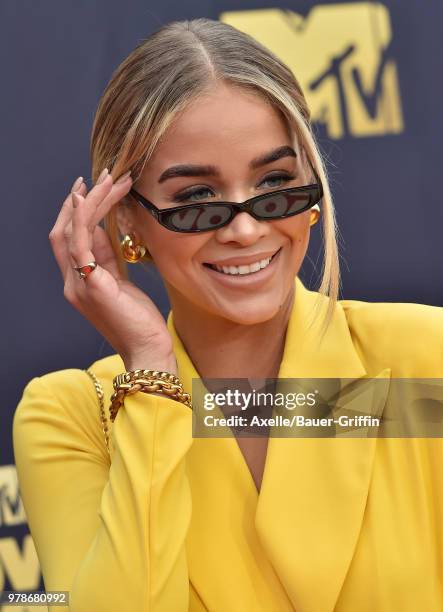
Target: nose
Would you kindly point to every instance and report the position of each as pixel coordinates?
(243, 229)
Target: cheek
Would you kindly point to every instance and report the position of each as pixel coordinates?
(302, 238)
(173, 253)
(296, 230)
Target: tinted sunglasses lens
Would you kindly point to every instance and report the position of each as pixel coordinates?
(198, 218)
(283, 204)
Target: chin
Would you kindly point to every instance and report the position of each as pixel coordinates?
(252, 314)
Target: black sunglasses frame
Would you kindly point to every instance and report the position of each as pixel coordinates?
(161, 215)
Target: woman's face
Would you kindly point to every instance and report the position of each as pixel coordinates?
(225, 130)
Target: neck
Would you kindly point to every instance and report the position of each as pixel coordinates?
(220, 348)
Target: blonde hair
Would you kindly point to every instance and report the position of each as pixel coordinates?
(163, 75)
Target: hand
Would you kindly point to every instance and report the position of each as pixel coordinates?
(119, 310)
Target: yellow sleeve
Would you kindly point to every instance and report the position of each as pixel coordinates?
(113, 535)
(406, 337)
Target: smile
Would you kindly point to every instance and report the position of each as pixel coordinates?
(243, 269)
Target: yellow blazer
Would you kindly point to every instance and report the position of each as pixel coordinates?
(175, 523)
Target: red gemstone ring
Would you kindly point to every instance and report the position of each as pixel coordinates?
(85, 271)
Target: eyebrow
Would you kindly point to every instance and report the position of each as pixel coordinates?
(196, 170)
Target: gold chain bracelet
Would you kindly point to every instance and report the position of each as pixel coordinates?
(146, 381)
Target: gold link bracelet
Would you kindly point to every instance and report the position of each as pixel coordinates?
(146, 381)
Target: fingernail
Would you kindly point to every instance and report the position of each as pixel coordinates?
(77, 183)
(75, 200)
(102, 176)
(123, 177)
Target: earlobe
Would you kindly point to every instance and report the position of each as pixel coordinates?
(132, 249)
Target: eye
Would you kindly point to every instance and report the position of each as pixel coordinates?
(205, 193)
(280, 179)
(201, 193)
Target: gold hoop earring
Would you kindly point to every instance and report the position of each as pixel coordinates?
(315, 214)
(131, 251)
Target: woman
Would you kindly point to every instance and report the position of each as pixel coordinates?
(201, 113)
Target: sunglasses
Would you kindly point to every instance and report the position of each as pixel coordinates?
(206, 217)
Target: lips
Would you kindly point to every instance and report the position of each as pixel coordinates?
(242, 261)
(243, 269)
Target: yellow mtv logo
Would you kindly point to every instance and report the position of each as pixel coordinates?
(340, 55)
(19, 568)
(11, 507)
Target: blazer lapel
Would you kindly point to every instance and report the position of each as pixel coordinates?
(314, 490)
(308, 514)
(227, 564)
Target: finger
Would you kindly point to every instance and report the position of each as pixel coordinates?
(66, 210)
(104, 253)
(81, 241)
(97, 194)
(57, 235)
(119, 189)
(77, 290)
(86, 248)
(81, 254)
(102, 247)
(61, 233)
(97, 209)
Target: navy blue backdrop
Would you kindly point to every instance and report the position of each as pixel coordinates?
(381, 135)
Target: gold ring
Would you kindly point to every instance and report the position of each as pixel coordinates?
(85, 271)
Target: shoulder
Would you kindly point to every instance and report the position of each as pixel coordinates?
(73, 385)
(393, 319)
(64, 403)
(404, 336)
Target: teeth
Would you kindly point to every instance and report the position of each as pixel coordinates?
(258, 265)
